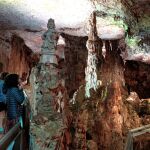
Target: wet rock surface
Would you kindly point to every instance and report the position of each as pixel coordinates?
(137, 76)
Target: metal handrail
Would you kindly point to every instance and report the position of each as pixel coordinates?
(10, 136)
(18, 134)
(135, 133)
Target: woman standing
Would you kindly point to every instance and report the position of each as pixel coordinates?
(14, 98)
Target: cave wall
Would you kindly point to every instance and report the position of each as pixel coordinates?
(5, 49)
(3, 61)
(15, 55)
(19, 61)
(137, 77)
(75, 52)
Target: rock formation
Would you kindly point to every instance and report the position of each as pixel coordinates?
(137, 76)
(48, 94)
(75, 55)
(98, 65)
(102, 119)
(94, 46)
(15, 55)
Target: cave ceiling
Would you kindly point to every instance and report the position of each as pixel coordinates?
(71, 16)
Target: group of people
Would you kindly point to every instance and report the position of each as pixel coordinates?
(11, 99)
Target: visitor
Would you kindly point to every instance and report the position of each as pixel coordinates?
(14, 98)
(3, 105)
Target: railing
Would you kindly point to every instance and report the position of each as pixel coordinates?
(18, 135)
(15, 134)
(134, 135)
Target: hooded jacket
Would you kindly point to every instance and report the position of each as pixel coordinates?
(14, 97)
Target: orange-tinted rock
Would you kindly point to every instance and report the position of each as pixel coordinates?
(110, 115)
(15, 55)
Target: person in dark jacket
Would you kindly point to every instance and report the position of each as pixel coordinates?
(3, 105)
(14, 99)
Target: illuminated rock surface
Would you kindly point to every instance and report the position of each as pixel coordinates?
(90, 79)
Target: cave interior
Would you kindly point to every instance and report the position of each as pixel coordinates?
(87, 66)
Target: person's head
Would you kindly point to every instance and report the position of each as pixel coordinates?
(12, 80)
(3, 75)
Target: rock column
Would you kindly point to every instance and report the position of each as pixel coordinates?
(94, 53)
(48, 93)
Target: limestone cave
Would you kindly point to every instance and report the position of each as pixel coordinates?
(87, 66)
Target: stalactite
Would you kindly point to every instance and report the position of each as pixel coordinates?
(94, 53)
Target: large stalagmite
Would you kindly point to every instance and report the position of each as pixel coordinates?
(48, 94)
